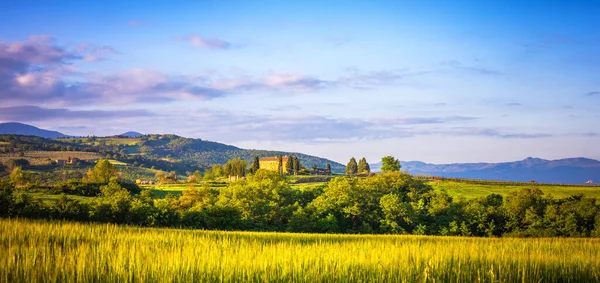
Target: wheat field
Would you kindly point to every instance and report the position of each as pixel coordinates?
(39, 251)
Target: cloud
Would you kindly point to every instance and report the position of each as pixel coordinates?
(512, 104)
(34, 71)
(235, 127)
(93, 53)
(206, 42)
(35, 113)
(471, 131)
(456, 65)
(594, 93)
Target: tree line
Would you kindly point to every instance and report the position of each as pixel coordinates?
(392, 202)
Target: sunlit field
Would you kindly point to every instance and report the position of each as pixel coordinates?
(36, 251)
(470, 190)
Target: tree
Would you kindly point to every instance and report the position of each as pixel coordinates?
(280, 164)
(17, 176)
(217, 170)
(161, 176)
(289, 165)
(363, 166)
(390, 164)
(255, 164)
(235, 167)
(103, 172)
(172, 176)
(297, 165)
(208, 175)
(197, 176)
(328, 167)
(352, 167)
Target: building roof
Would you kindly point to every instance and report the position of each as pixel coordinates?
(273, 158)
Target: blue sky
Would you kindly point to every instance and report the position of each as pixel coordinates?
(421, 80)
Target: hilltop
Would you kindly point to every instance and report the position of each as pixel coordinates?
(14, 128)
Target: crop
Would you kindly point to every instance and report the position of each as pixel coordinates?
(39, 251)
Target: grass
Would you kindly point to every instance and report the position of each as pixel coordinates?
(49, 198)
(479, 190)
(37, 251)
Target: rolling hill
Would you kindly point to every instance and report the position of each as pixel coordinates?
(165, 152)
(28, 130)
(564, 171)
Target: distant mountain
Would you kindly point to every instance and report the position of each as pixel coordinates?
(28, 130)
(565, 171)
(131, 134)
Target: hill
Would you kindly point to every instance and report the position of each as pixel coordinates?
(131, 134)
(162, 152)
(12, 128)
(208, 152)
(563, 171)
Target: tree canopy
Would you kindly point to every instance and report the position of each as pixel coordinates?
(363, 166)
(390, 164)
(352, 167)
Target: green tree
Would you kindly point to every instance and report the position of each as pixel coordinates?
(280, 164)
(297, 165)
(255, 164)
(235, 167)
(352, 167)
(17, 176)
(328, 167)
(363, 166)
(217, 170)
(103, 172)
(197, 176)
(289, 165)
(390, 164)
(208, 175)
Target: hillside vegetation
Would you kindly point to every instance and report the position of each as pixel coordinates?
(163, 152)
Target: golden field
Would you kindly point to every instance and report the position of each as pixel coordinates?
(40, 251)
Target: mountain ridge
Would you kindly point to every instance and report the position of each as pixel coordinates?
(16, 128)
(576, 170)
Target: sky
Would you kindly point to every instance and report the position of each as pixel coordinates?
(467, 81)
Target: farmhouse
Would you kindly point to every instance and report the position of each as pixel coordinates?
(60, 162)
(272, 163)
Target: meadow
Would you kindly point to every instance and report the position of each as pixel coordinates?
(39, 251)
(474, 190)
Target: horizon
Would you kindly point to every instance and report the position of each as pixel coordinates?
(495, 82)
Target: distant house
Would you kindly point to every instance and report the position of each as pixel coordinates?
(589, 182)
(320, 171)
(60, 162)
(272, 163)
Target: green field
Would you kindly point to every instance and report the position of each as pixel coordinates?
(470, 190)
(37, 251)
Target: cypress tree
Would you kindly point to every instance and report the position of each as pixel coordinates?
(297, 165)
(352, 167)
(280, 164)
(289, 165)
(363, 166)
